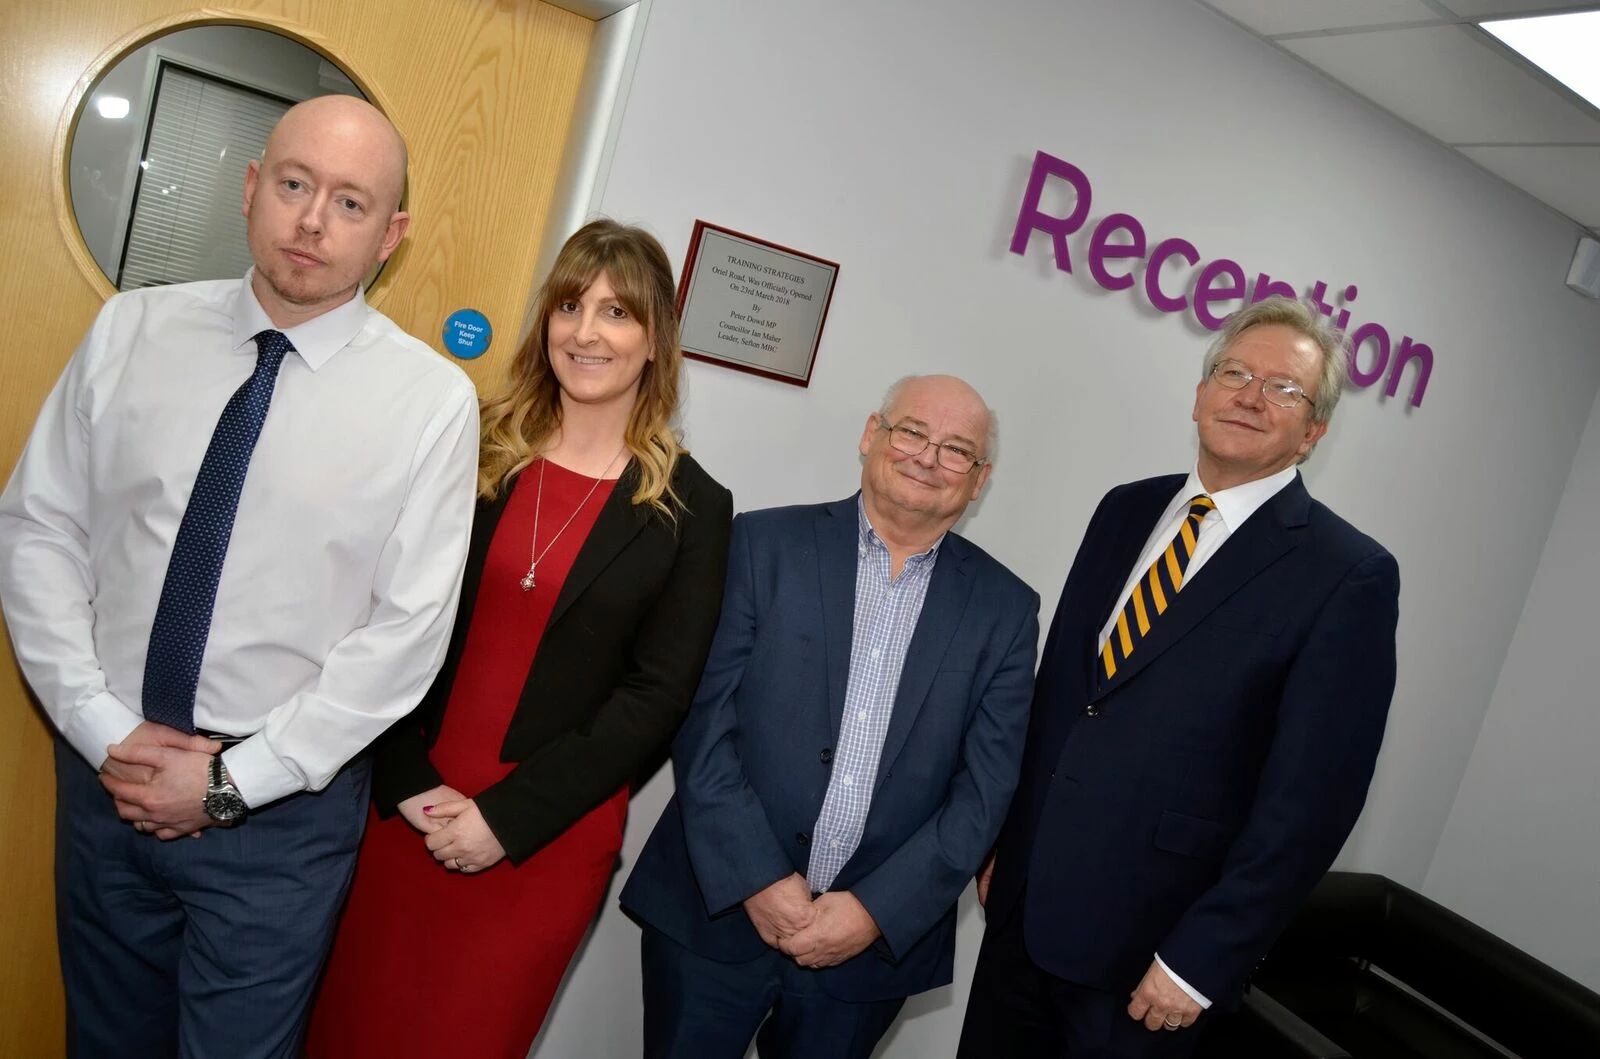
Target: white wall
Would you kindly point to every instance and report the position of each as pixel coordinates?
(1520, 854)
(896, 138)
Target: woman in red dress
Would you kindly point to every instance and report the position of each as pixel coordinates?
(590, 596)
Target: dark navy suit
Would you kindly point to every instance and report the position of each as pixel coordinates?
(752, 760)
(1189, 804)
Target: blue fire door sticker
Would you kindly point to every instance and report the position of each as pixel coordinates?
(467, 333)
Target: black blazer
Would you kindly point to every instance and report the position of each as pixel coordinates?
(1187, 805)
(614, 673)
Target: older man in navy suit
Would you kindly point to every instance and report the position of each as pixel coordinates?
(848, 759)
(1209, 707)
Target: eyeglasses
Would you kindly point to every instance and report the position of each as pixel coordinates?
(913, 442)
(1285, 393)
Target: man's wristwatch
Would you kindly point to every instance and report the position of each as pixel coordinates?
(223, 802)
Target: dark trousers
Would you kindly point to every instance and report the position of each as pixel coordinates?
(1018, 1011)
(698, 1008)
(203, 947)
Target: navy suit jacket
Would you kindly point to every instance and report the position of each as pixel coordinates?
(752, 760)
(1189, 804)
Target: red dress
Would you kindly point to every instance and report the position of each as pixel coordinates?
(429, 962)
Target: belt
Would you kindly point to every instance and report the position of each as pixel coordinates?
(221, 737)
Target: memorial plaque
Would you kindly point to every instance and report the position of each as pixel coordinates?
(753, 305)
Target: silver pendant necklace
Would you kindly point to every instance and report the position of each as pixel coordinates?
(534, 554)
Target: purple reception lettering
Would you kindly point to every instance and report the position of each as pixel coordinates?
(1102, 248)
(1409, 351)
(1343, 320)
(1359, 338)
(1029, 217)
(1152, 273)
(1315, 297)
(1266, 287)
(1057, 202)
(1207, 293)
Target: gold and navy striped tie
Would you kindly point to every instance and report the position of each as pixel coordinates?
(1152, 594)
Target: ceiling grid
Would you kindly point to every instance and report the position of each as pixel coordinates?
(1428, 63)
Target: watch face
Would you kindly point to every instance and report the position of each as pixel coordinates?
(225, 806)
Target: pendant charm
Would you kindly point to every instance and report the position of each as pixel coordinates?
(527, 581)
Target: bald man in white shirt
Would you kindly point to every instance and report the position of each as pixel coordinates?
(229, 559)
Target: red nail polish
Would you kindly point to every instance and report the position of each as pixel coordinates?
(427, 808)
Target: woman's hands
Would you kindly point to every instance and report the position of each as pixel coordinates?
(461, 839)
(414, 809)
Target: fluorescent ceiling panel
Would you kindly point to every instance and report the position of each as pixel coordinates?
(1567, 47)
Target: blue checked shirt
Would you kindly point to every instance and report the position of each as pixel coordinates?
(886, 615)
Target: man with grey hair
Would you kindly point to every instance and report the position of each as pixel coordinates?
(1207, 715)
(847, 761)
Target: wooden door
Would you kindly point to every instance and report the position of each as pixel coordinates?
(484, 93)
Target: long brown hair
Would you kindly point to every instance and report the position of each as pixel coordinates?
(520, 417)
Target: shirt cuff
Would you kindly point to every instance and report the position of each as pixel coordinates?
(103, 720)
(258, 773)
(1194, 994)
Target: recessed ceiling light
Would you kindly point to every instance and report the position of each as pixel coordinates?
(112, 107)
(1563, 46)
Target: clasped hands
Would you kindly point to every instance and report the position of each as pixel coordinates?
(816, 933)
(453, 829)
(158, 777)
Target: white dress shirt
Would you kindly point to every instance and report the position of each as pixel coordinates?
(339, 587)
(1234, 506)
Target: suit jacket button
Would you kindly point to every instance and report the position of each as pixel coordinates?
(1091, 710)
(802, 838)
(826, 755)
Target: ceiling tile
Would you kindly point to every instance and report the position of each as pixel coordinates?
(1270, 17)
(1497, 8)
(1567, 178)
(1451, 83)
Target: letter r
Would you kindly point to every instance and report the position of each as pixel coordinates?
(1029, 218)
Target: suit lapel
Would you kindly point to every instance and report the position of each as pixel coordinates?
(838, 534)
(1261, 541)
(1128, 536)
(619, 521)
(942, 610)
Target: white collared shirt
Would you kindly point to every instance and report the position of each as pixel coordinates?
(1234, 506)
(339, 587)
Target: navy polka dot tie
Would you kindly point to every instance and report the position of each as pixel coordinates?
(183, 617)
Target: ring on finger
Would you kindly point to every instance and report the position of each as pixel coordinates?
(1173, 1020)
